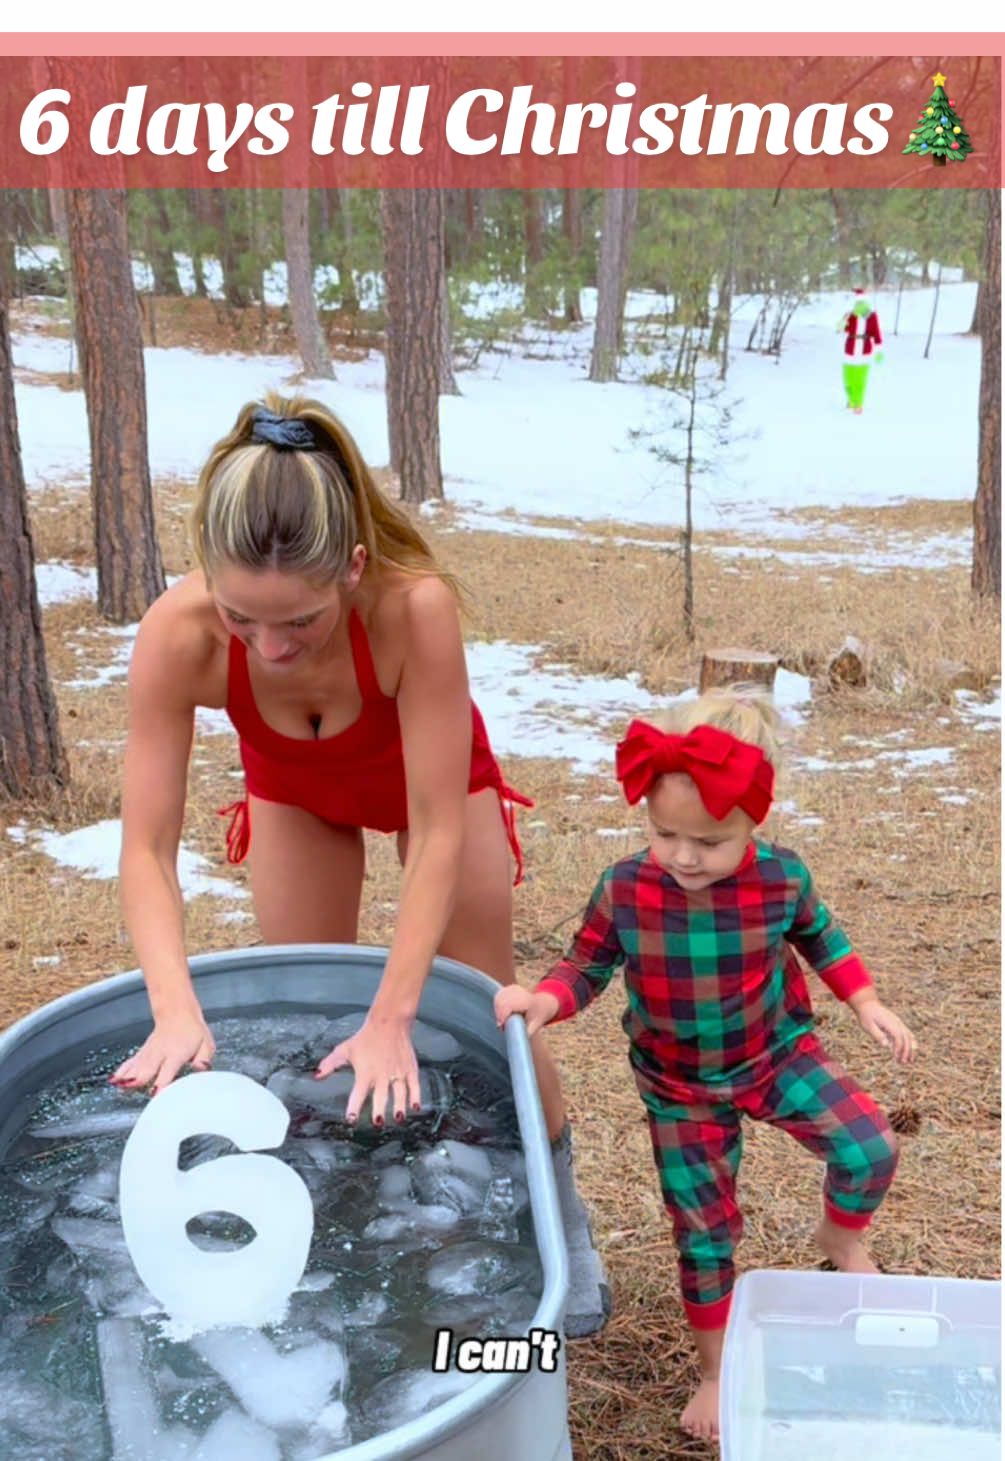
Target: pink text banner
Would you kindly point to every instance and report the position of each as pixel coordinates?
(493, 121)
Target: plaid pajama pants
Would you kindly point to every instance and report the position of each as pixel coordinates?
(697, 1150)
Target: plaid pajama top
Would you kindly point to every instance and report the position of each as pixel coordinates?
(716, 994)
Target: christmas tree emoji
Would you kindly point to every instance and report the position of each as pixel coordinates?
(939, 133)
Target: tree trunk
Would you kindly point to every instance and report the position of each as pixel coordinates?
(199, 277)
(986, 575)
(342, 251)
(935, 310)
(61, 228)
(130, 573)
(535, 298)
(572, 228)
(31, 751)
(8, 247)
(688, 537)
(311, 341)
(620, 205)
(412, 220)
(160, 253)
(199, 222)
(448, 381)
(900, 293)
(230, 208)
(975, 323)
(842, 229)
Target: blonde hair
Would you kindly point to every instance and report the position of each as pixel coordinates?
(746, 711)
(260, 506)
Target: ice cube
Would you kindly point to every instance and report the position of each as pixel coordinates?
(236, 1438)
(414, 1218)
(330, 1432)
(277, 1389)
(479, 1268)
(315, 1283)
(96, 1195)
(410, 1393)
(256, 1067)
(393, 1185)
(498, 1218)
(39, 1423)
(130, 1406)
(507, 1313)
(369, 1311)
(334, 1421)
(278, 1039)
(437, 1181)
(99, 1123)
(85, 1236)
(467, 1161)
(327, 1155)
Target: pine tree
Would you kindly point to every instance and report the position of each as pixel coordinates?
(939, 133)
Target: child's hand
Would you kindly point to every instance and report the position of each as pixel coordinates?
(537, 1009)
(887, 1029)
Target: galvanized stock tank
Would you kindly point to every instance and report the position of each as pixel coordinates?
(499, 1416)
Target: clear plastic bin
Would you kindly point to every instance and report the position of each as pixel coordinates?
(839, 1365)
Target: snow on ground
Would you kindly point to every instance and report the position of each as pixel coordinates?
(94, 853)
(985, 715)
(530, 710)
(536, 434)
(942, 550)
(63, 583)
(553, 711)
(534, 437)
(902, 762)
(116, 668)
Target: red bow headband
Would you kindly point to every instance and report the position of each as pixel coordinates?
(728, 772)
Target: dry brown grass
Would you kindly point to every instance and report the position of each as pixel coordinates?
(914, 878)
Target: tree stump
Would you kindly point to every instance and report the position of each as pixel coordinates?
(848, 666)
(736, 667)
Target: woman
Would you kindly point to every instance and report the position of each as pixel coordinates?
(321, 622)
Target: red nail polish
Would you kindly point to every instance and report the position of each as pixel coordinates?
(378, 1121)
(399, 1116)
(416, 1106)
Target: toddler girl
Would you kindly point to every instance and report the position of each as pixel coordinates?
(707, 920)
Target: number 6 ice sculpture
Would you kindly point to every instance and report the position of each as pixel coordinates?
(248, 1285)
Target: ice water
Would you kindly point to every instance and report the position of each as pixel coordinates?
(925, 1405)
(416, 1228)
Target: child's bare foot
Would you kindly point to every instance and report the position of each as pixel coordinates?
(700, 1416)
(844, 1248)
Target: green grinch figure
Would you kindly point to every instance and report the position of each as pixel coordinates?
(939, 133)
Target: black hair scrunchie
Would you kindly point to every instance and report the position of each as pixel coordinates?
(283, 432)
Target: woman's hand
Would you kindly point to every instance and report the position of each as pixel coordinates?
(179, 1039)
(887, 1029)
(383, 1062)
(537, 1009)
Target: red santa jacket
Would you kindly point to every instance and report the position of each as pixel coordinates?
(869, 335)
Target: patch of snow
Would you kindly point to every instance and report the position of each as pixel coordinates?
(552, 711)
(983, 714)
(537, 436)
(64, 583)
(94, 853)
